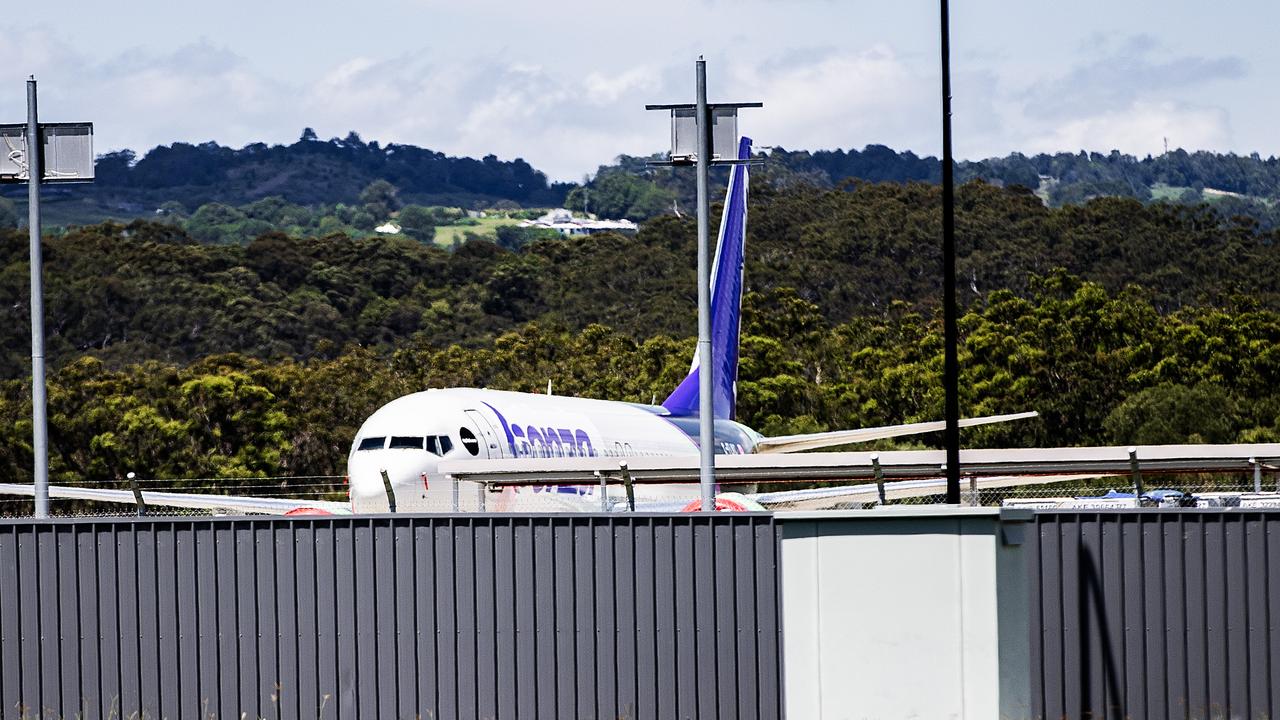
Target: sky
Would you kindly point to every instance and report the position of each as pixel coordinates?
(563, 83)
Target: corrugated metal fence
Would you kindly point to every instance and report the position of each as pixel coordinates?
(1168, 614)
(431, 617)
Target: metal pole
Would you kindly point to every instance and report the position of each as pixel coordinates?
(1135, 470)
(391, 493)
(706, 413)
(875, 464)
(1257, 474)
(630, 486)
(39, 420)
(137, 494)
(951, 363)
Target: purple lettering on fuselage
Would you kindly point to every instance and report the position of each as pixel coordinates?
(536, 443)
(548, 441)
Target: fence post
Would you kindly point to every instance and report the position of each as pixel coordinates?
(631, 490)
(1137, 476)
(875, 464)
(137, 494)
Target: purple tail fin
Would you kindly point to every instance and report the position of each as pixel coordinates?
(726, 304)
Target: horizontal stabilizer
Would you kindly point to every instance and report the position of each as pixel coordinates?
(195, 501)
(813, 441)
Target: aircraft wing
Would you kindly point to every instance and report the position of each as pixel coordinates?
(223, 503)
(813, 441)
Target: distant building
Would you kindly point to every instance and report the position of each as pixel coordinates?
(387, 229)
(563, 222)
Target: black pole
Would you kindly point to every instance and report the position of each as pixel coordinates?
(951, 363)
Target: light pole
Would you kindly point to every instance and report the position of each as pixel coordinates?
(715, 129)
(39, 399)
(53, 152)
(951, 334)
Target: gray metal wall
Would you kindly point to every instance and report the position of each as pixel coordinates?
(432, 617)
(1168, 614)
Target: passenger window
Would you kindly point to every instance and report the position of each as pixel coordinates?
(372, 443)
(405, 443)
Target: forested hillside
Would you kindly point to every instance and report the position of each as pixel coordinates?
(1239, 185)
(1120, 321)
(1101, 368)
(309, 172)
(126, 293)
(326, 179)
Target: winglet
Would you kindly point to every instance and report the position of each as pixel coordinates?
(726, 304)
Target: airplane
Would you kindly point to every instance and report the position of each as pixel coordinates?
(409, 437)
(398, 449)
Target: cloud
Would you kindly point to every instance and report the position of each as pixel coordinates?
(1126, 93)
(568, 122)
(837, 99)
(137, 99)
(1119, 71)
(561, 123)
(1139, 129)
(567, 117)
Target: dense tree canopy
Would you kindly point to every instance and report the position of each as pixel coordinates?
(309, 172)
(127, 293)
(1100, 367)
(1119, 321)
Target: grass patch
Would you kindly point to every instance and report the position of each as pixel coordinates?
(1161, 191)
(485, 227)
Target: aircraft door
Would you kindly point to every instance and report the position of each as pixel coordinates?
(490, 447)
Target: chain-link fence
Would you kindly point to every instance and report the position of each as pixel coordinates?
(472, 497)
(305, 488)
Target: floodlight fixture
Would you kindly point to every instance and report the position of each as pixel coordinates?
(66, 153)
(35, 154)
(684, 132)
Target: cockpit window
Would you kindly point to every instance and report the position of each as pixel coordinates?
(405, 443)
(439, 444)
(372, 443)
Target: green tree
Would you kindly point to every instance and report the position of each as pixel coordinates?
(417, 222)
(380, 198)
(1170, 414)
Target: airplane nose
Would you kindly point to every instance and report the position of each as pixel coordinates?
(405, 470)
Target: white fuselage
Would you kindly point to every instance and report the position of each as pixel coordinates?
(408, 437)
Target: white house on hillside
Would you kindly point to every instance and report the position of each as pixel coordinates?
(563, 222)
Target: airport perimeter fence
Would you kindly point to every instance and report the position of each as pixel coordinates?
(330, 488)
(1134, 614)
(477, 616)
